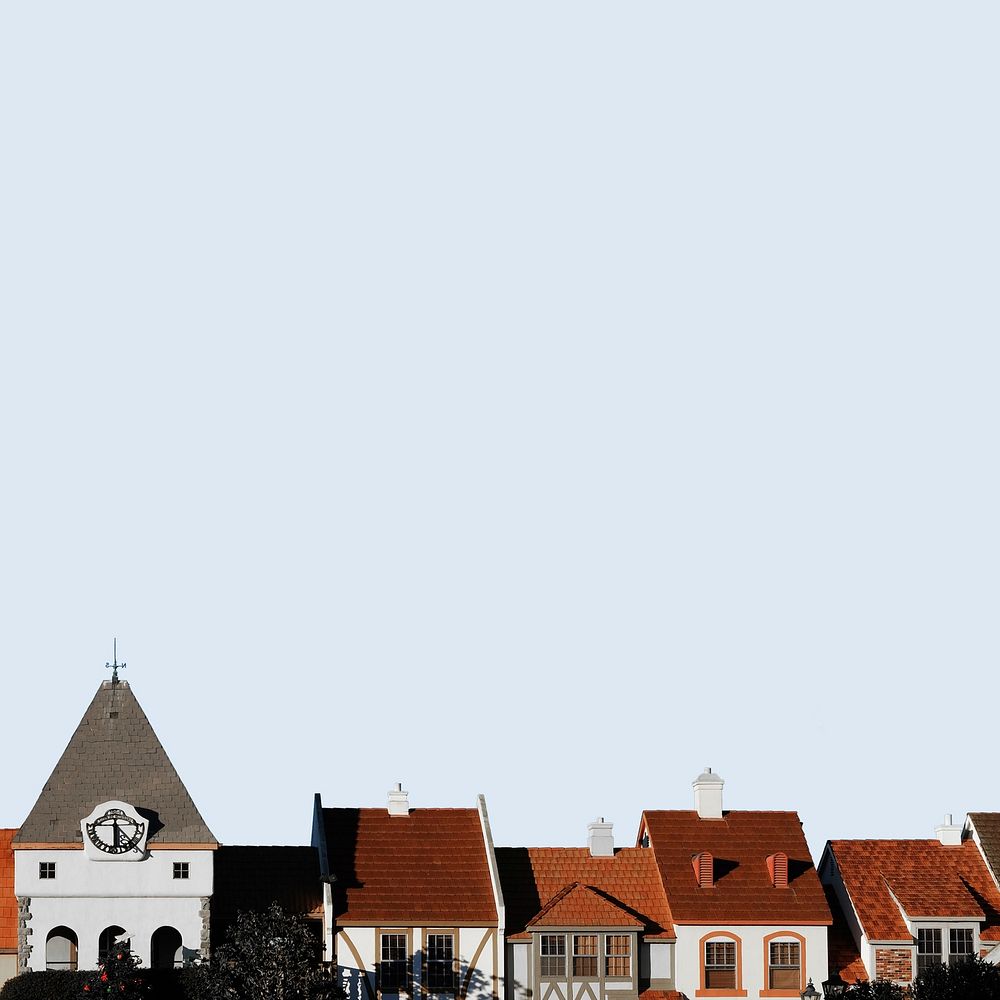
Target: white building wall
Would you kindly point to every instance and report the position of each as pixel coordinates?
(87, 917)
(8, 967)
(88, 896)
(482, 983)
(754, 968)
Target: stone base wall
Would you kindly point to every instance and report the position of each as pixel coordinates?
(23, 933)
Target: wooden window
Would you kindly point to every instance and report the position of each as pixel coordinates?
(928, 948)
(618, 956)
(784, 970)
(393, 965)
(182, 869)
(553, 956)
(46, 869)
(959, 945)
(585, 956)
(720, 965)
(439, 973)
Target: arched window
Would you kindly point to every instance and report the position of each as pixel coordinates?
(721, 966)
(110, 938)
(784, 964)
(166, 949)
(60, 949)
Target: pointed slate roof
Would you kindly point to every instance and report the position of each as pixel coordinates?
(114, 754)
(579, 905)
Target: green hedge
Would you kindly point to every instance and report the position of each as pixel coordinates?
(164, 984)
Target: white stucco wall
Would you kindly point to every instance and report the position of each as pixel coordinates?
(688, 954)
(8, 967)
(88, 916)
(88, 896)
(485, 973)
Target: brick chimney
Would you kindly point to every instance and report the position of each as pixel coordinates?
(948, 833)
(399, 801)
(708, 795)
(600, 839)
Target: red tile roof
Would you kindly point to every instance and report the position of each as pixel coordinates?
(580, 905)
(8, 902)
(843, 952)
(531, 876)
(739, 843)
(429, 867)
(926, 877)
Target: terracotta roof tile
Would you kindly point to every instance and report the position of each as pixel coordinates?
(739, 843)
(582, 906)
(988, 828)
(844, 955)
(926, 877)
(8, 902)
(531, 876)
(428, 867)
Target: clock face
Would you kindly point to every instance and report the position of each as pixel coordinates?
(115, 832)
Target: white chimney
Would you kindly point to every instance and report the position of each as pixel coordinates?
(949, 834)
(399, 801)
(708, 794)
(600, 839)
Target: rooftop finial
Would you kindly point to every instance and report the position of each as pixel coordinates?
(116, 666)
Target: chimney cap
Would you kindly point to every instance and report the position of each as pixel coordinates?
(708, 776)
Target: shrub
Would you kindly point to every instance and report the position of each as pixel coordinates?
(972, 980)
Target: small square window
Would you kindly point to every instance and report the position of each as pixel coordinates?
(182, 869)
(46, 869)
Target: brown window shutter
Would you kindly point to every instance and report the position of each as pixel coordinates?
(777, 868)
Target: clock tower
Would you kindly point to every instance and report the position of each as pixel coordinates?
(113, 849)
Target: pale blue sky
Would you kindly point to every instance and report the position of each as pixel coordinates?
(541, 399)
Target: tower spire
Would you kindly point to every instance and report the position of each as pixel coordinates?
(116, 666)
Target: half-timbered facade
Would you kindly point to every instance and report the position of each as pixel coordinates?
(412, 903)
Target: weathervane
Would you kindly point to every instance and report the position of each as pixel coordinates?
(114, 667)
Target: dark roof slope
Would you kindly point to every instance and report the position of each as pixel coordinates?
(429, 867)
(8, 902)
(531, 877)
(114, 754)
(843, 951)
(740, 844)
(251, 878)
(926, 877)
(988, 827)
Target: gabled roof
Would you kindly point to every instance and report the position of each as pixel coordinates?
(579, 905)
(8, 901)
(429, 867)
(114, 754)
(927, 878)
(740, 844)
(987, 826)
(251, 878)
(531, 877)
(842, 950)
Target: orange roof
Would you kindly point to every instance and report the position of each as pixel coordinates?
(582, 906)
(926, 877)
(739, 843)
(8, 902)
(429, 867)
(843, 951)
(627, 883)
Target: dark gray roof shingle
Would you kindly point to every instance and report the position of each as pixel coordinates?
(988, 827)
(114, 754)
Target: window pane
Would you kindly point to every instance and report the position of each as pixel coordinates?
(585, 956)
(959, 945)
(392, 970)
(440, 970)
(553, 948)
(618, 949)
(720, 965)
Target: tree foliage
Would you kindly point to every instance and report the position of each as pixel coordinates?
(267, 955)
(971, 980)
(877, 989)
(117, 976)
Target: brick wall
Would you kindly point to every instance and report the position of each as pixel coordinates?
(894, 963)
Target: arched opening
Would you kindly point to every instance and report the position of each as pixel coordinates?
(109, 939)
(60, 949)
(166, 949)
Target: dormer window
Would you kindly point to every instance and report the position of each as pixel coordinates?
(959, 945)
(703, 865)
(777, 869)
